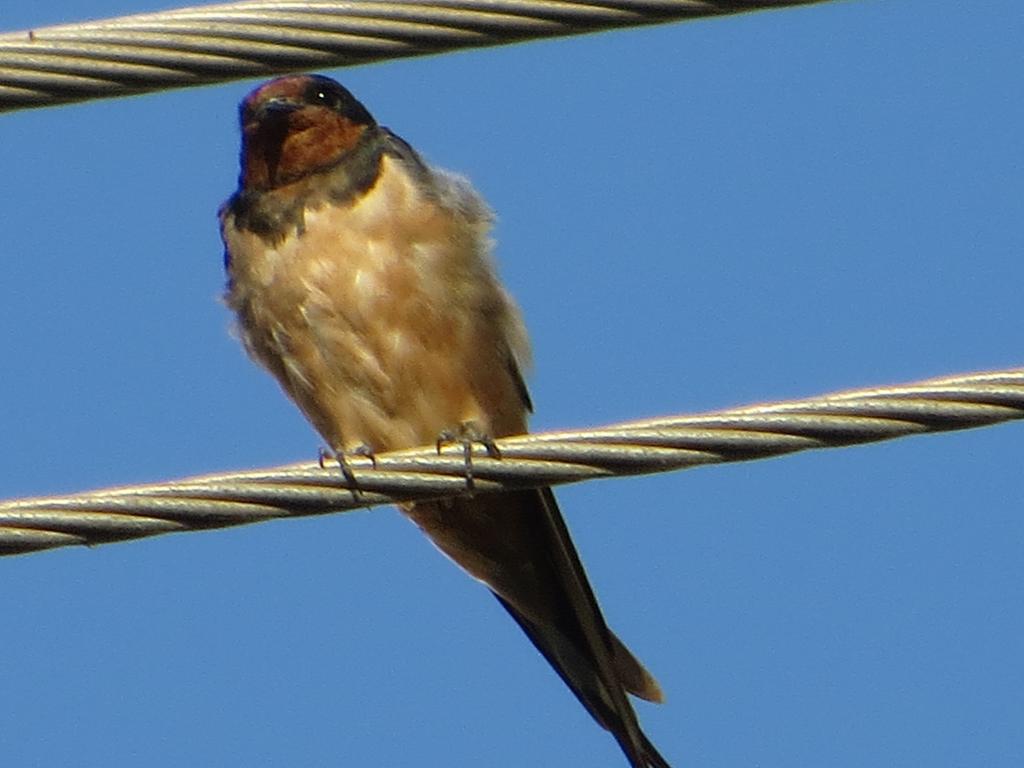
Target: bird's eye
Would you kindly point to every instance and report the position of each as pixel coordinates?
(323, 97)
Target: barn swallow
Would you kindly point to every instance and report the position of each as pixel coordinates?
(362, 280)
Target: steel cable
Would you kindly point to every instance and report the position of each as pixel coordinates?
(639, 447)
(208, 44)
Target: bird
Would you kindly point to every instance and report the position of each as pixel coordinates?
(362, 279)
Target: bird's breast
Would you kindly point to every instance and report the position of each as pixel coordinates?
(381, 316)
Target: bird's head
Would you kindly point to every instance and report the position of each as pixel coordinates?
(297, 125)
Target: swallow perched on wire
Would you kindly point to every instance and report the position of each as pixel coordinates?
(362, 280)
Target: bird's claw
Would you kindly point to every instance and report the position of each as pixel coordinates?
(325, 454)
(366, 452)
(346, 468)
(466, 434)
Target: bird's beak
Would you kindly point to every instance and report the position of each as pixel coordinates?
(277, 107)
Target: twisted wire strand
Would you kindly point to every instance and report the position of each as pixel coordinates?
(216, 43)
(639, 447)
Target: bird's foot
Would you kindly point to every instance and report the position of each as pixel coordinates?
(365, 451)
(466, 434)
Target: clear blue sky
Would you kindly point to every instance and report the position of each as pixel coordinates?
(692, 216)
